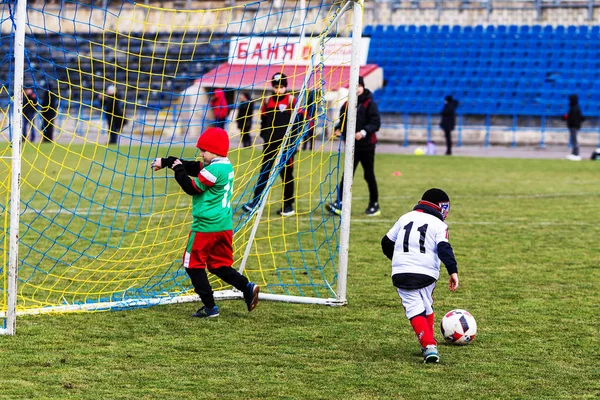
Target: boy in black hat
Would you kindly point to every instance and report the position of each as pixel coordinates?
(416, 244)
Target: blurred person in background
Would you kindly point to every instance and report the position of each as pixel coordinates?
(220, 108)
(574, 120)
(114, 114)
(30, 109)
(244, 118)
(49, 112)
(448, 122)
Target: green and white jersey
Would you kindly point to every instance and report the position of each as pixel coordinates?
(211, 207)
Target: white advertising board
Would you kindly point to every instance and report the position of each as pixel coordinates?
(267, 50)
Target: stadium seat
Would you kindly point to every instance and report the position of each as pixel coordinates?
(503, 68)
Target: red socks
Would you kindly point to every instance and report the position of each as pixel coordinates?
(422, 327)
(431, 322)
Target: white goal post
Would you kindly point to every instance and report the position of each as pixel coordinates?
(11, 307)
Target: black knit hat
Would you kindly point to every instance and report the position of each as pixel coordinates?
(435, 196)
(439, 198)
(279, 79)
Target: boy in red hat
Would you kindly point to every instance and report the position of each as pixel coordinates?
(210, 183)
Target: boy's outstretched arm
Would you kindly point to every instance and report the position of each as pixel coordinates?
(387, 246)
(191, 167)
(184, 180)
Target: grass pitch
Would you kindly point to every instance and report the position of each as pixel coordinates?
(525, 234)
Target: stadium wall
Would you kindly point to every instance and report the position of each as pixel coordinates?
(502, 13)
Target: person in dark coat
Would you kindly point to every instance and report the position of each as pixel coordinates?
(368, 122)
(114, 113)
(49, 112)
(448, 122)
(244, 118)
(30, 105)
(574, 120)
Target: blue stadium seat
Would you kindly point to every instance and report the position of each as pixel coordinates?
(390, 30)
(502, 70)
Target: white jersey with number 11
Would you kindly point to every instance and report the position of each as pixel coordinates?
(417, 235)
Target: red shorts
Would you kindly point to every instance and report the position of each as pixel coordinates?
(209, 250)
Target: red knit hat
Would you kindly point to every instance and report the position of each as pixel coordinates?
(215, 140)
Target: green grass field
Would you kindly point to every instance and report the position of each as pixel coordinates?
(525, 234)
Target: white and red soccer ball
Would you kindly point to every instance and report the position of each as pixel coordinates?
(458, 327)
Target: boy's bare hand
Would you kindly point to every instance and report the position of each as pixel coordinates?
(358, 136)
(156, 164)
(337, 133)
(453, 282)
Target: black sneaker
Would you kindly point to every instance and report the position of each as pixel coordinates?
(205, 312)
(286, 211)
(373, 210)
(251, 295)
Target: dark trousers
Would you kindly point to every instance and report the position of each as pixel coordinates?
(113, 137)
(309, 139)
(29, 126)
(114, 129)
(286, 173)
(574, 143)
(48, 126)
(246, 139)
(448, 136)
(202, 287)
(367, 159)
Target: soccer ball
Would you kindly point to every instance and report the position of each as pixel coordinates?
(419, 151)
(458, 327)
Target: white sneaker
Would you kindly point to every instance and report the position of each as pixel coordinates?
(573, 157)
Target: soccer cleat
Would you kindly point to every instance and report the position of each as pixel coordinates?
(286, 211)
(205, 312)
(573, 157)
(373, 210)
(332, 208)
(430, 355)
(251, 295)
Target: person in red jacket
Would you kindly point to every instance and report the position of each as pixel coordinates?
(275, 118)
(220, 108)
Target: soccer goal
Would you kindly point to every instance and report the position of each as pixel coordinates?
(94, 94)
